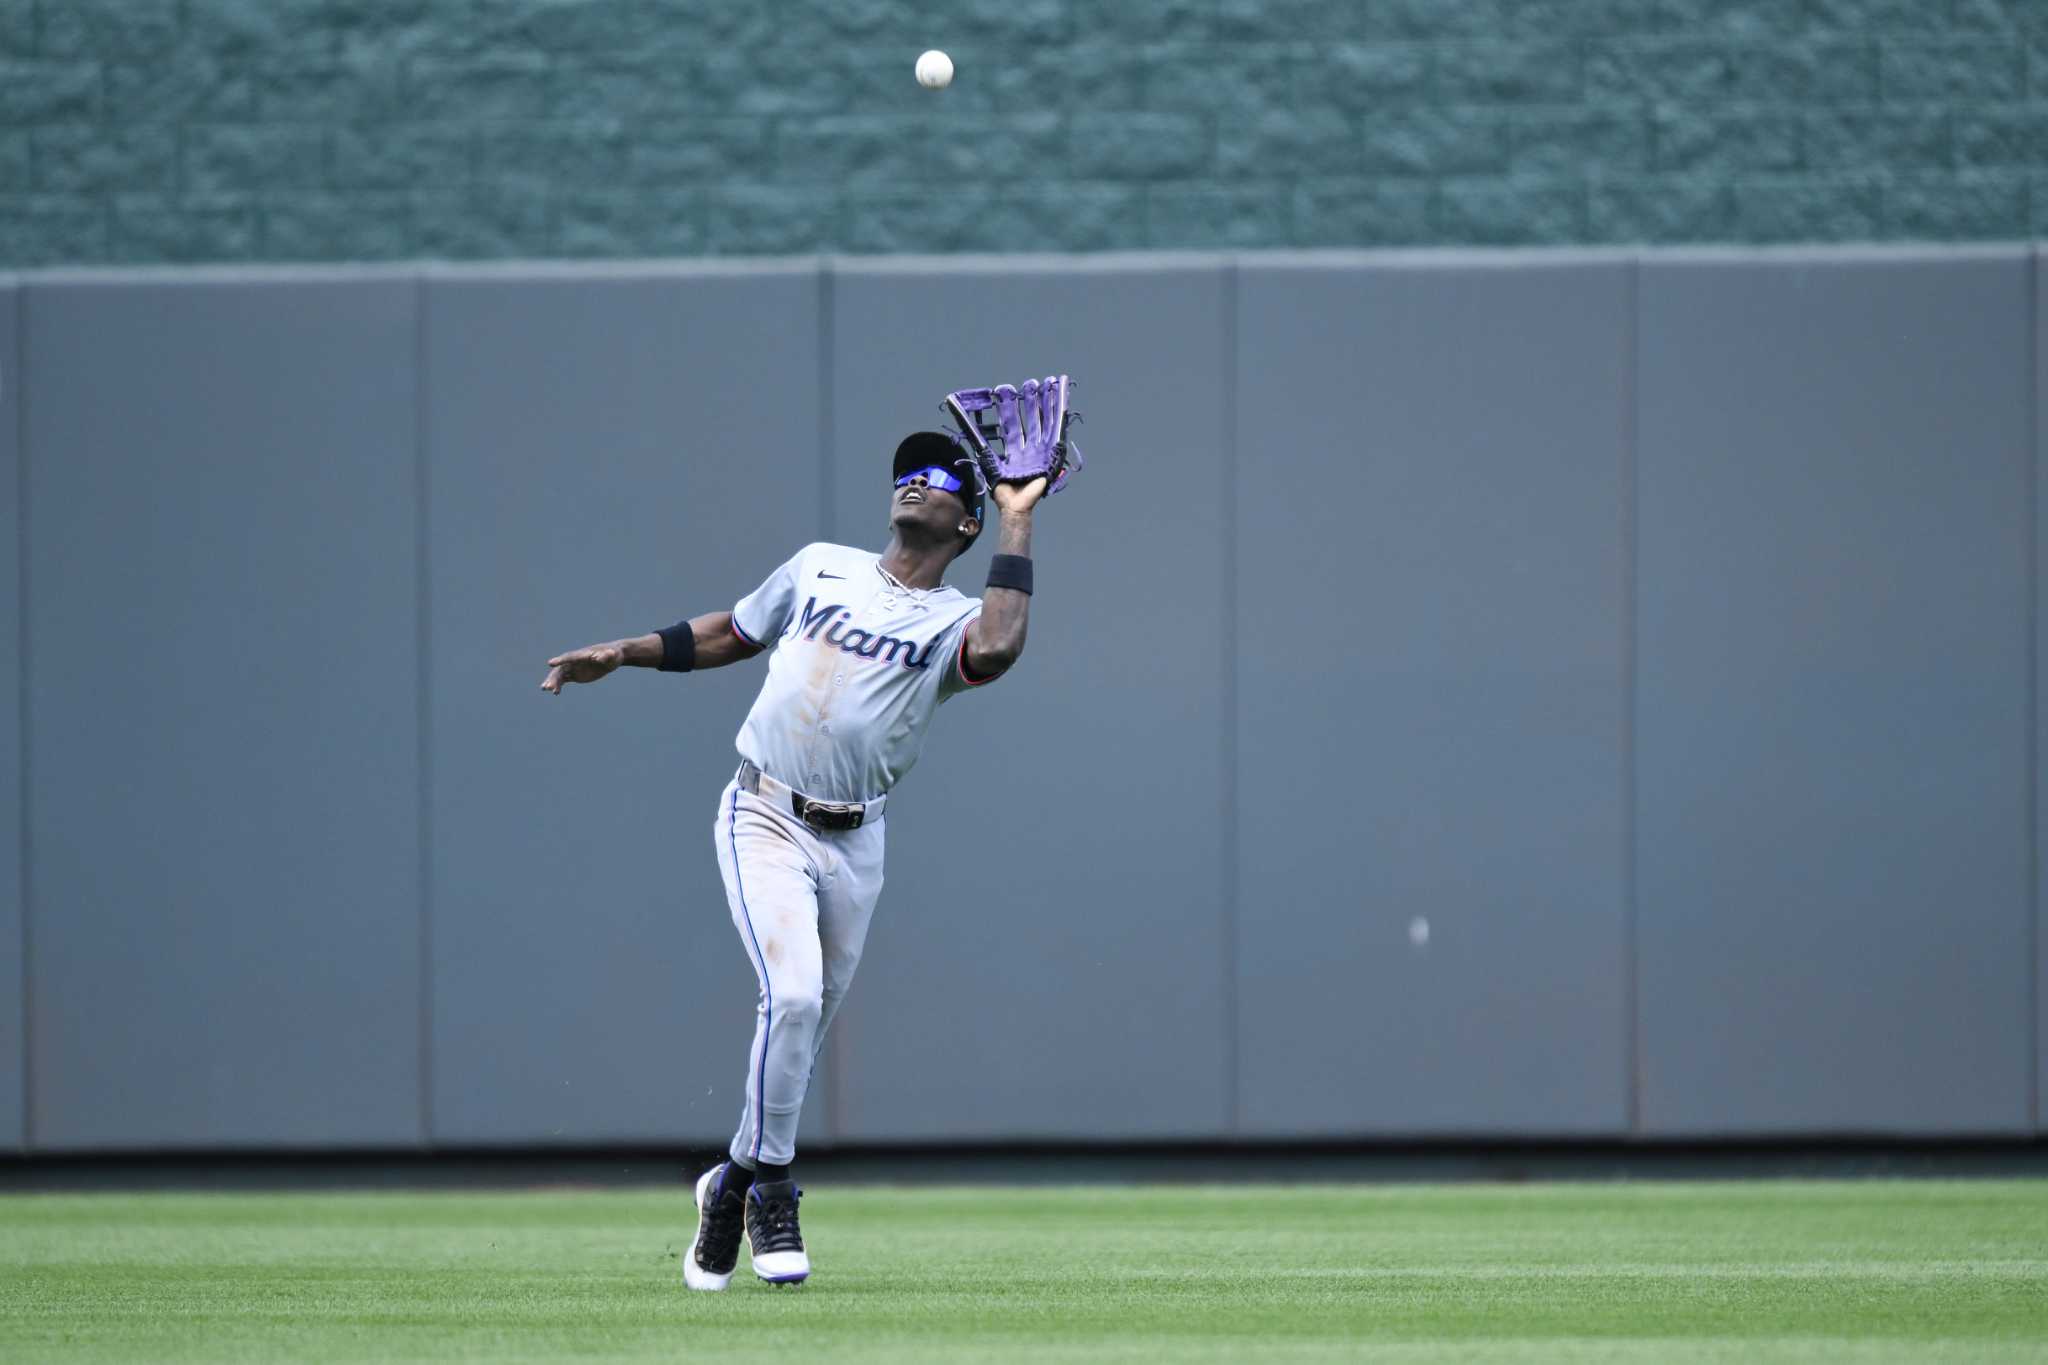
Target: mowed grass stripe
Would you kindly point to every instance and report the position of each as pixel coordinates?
(1869, 1270)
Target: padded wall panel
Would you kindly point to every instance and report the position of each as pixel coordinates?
(1431, 644)
(1833, 755)
(1049, 957)
(612, 450)
(2040, 379)
(1422, 682)
(225, 819)
(13, 980)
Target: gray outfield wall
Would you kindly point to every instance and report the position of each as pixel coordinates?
(1659, 628)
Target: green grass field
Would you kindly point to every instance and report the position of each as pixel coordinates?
(1822, 1271)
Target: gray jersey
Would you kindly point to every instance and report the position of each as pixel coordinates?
(861, 663)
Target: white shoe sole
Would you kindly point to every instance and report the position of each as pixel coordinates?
(783, 1267)
(694, 1276)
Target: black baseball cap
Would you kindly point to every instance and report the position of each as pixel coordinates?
(924, 449)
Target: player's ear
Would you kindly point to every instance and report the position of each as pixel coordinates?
(970, 526)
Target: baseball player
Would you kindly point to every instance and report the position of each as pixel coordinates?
(866, 647)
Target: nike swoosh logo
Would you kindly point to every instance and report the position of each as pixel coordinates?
(823, 574)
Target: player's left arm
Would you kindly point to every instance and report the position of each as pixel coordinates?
(996, 638)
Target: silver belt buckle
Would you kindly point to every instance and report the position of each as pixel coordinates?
(852, 814)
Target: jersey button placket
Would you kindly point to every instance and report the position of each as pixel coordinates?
(867, 618)
(825, 709)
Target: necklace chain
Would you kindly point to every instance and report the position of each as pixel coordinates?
(900, 584)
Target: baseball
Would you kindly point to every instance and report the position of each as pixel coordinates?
(935, 70)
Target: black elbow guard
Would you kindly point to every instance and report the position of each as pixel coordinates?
(678, 648)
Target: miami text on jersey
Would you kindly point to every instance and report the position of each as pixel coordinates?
(859, 643)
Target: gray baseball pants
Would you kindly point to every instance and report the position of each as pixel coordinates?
(801, 900)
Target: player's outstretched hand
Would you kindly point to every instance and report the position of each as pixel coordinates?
(1019, 497)
(585, 665)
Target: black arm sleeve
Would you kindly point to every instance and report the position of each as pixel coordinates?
(678, 648)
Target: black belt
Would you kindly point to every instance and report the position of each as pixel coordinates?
(819, 815)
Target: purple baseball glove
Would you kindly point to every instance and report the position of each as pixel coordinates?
(1028, 436)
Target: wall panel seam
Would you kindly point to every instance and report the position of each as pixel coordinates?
(835, 1042)
(22, 710)
(2033, 591)
(826, 484)
(1631, 511)
(1227, 850)
(423, 671)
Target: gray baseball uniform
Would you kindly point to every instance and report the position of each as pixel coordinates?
(860, 665)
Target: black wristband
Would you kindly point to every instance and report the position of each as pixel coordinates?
(678, 648)
(1010, 571)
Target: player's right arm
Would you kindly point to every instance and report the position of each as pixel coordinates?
(713, 643)
(710, 641)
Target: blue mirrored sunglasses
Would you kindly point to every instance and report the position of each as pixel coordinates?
(935, 476)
